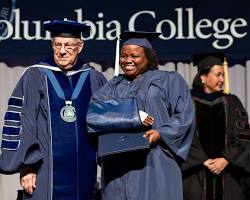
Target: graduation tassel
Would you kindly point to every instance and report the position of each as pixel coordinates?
(226, 77)
(117, 56)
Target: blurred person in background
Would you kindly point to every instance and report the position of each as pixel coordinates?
(219, 159)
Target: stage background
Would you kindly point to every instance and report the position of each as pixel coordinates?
(188, 27)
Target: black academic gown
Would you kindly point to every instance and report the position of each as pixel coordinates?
(222, 131)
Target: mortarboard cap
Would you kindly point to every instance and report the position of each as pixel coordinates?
(66, 28)
(208, 59)
(140, 38)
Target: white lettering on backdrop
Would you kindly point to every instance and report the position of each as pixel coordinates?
(223, 31)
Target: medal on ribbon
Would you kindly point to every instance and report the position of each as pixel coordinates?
(68, 112)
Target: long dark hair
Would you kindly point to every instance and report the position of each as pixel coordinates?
(197, 82)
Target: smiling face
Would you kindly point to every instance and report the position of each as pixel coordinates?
(133, 60)
(214, 80)
(66, 51)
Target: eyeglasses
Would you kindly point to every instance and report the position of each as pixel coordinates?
(69, 47)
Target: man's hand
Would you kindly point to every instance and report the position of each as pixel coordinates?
(28, 182)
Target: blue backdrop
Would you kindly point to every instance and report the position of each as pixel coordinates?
(188, 27)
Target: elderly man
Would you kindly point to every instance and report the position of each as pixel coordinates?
(44, 134)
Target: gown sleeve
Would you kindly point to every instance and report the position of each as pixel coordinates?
(238, 133)
(19, 144)
(97, 80)
(113, 115)
(107, 115)
(196, 155)
(177, 132)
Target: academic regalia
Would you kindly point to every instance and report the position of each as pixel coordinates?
(151, 173)
(35, 134)
(222, 131)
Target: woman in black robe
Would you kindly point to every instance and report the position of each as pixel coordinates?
(218, 161)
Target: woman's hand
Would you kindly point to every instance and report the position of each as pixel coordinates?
(207, 162)
(148, 121)
(153, 136)
(217, 165)
(28, 182)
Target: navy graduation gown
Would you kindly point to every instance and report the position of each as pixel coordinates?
(66, 156)
(152, 173)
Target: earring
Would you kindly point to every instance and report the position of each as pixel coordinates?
(202, 81)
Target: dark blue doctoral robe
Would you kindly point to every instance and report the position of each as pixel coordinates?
(35, 135)
(150, 173)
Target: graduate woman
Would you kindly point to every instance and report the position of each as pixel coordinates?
(152, 172)
(218, 160)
